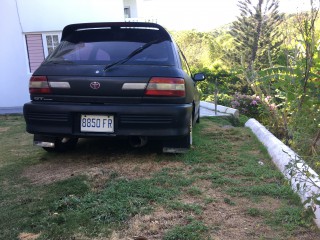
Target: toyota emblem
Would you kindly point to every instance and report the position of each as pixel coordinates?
(95, 85)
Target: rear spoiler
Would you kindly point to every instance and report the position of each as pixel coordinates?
(75, 27)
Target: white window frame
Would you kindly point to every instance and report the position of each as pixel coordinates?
(44, 41)
(129, 11)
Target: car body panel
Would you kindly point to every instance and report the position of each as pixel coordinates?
(111, 82)
(60, 119)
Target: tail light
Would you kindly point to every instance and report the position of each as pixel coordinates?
(39, 84)
(171, 87)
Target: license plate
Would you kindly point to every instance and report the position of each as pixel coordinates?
(97, 123)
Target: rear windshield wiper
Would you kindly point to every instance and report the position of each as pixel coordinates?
(132, 54)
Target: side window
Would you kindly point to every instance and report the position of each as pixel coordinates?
(50, 42)
(184, 63)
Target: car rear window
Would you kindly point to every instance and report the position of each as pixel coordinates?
(107, 46)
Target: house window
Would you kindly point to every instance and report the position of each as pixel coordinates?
(50, 42)
(127, 12)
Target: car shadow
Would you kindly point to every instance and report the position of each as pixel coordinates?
(97, 150)
(99, 160)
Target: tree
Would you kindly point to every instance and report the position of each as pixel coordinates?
(196, 46)
(256, 35)
(296, 84)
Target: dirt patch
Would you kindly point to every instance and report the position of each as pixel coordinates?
(4, 129)
(230, 221)
(28, 236)
(151, 226)
(224, 221)
(227, 221)
(98, 171)
(146, 227)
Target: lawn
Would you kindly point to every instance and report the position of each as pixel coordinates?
(225, 187)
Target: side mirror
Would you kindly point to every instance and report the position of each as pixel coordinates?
(199, 77)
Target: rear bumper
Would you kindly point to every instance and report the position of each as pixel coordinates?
(152, 120)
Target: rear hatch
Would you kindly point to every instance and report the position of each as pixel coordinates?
(103, 63)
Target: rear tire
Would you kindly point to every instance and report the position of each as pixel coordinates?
(63, 145)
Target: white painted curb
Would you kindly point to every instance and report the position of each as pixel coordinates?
(220, 108)
(282, 155)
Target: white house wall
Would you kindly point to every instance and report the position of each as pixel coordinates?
(133, 7)
(21, 17)
(53, 15)
(13, 62)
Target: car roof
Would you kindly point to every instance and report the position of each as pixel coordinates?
(70, 29)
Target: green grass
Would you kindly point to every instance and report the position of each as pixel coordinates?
(27, 208)
(289, 217)
(254, 212)
(114, 205)
(192, 208)
(194, 230)
(194, 191)
(226, 159)
(267, 189)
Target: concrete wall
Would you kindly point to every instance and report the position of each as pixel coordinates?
(28, 16)
(13, 63)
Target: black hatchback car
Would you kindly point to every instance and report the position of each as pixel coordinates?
(113, 80)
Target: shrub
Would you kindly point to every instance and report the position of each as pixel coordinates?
(247, 105)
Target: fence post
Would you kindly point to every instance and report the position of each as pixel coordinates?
(215, 96)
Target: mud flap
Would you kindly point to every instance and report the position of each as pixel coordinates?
(178, 145)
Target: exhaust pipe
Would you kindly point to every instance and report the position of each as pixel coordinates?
(138, 141)
(44, 144)
(43, 141)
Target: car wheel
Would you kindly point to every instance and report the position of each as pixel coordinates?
(62, 145)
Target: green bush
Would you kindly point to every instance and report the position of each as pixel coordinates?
(247, 105)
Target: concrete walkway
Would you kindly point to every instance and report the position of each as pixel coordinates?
(204, 112)
(208, 110)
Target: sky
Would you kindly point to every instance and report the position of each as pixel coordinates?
(204, 15)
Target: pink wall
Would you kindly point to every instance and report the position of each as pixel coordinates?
(35, 50)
